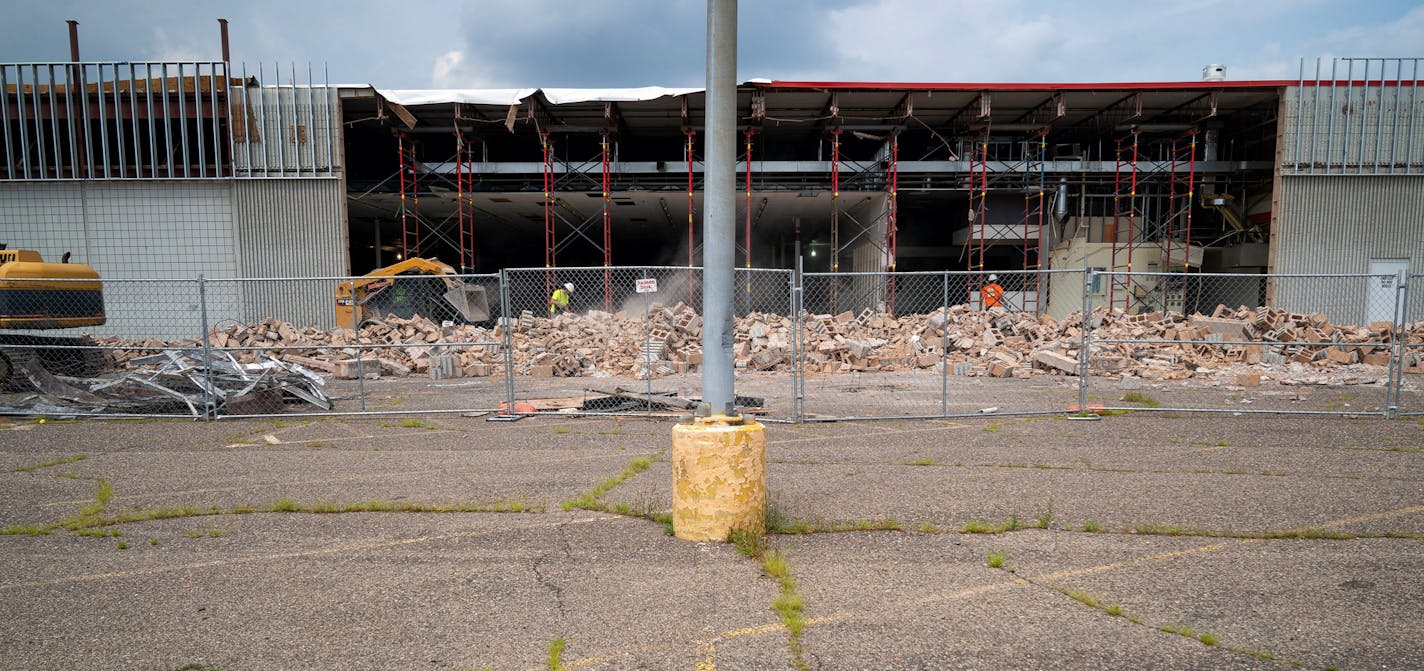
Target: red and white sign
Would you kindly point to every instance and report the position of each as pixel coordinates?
(646, 285)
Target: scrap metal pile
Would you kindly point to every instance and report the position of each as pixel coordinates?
(992, 343)
(173, 382)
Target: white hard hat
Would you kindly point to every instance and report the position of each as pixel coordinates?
(993, 278)
(569, 286)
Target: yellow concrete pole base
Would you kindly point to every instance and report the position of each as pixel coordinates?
(718, 478)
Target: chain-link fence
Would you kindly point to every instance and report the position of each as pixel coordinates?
(1244, 344)
(931, 344)
(1409, 370)
(627, 340)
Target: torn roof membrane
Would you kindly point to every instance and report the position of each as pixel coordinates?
(556, 96)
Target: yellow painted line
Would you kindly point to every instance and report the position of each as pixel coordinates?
(291, 555)
(1365, 518)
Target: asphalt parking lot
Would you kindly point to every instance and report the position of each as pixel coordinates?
(1146, 540)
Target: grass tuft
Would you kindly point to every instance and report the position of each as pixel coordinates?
(1092, 527)
(556, 655)
(24, 530)
(997, 559)
(589, 500)
(57, 462)
(1141, 399)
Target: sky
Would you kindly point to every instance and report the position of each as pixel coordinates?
(613, 43)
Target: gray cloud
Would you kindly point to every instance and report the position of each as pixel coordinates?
(587, 43)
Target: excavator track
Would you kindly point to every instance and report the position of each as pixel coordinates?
(57, 355)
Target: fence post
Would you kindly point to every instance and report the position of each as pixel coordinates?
(1394, 388)
(944, 349)
(210, 402)
(798, 298)
(648, 348)
(1087, 326)
(507, 332)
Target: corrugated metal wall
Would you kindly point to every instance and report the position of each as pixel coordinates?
(286, 131)
(131, 230)
(1336, 225)
(290, 228)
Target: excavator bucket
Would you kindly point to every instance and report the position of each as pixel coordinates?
(470, 301)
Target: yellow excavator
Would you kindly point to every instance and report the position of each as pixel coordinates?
(39, 295)
(414, 286)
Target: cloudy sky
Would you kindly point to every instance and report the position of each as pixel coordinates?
(605, 43)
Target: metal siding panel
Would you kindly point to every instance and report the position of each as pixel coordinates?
(290, 228)
(1336, 225)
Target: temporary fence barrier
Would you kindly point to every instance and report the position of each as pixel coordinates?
(627, 341)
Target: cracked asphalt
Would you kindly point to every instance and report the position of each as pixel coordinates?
(1144, 541)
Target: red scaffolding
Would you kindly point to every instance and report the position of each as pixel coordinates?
(978, 211)
(607, 232)
(547, 148)
(747, 251)
(1035, 212)
(892, 186)
(1126, 215)
(1183, 181)
(835, 214)
(409, 197)
(691, 137)
(465, 211)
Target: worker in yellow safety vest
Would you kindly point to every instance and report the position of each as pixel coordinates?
(992, 294)
(559, 302)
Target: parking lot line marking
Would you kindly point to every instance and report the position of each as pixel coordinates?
(294, 555)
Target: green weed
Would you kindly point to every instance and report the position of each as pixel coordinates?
(1092, 527)
(997, 559)
(556, 655)
(46, 464)
(24, 530)
(589, 500)
(921, 462)
(1141, 399)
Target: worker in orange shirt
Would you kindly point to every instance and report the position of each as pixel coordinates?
(991, 294)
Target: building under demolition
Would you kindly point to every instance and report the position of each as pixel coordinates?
(176, 169)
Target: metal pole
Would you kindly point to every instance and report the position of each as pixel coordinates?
(1087, 325)
(944, 349)
(210, 402)
(799, 329)
(507, 329)
(648, 345)
(718, 234)
(1395, 387)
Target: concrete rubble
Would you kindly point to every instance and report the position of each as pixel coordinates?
(1241, 346)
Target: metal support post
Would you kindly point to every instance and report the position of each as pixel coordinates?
(719, 236)
(648, 344)
(944, 349)
(507, 331)
(1084, 346)
(210, 402)
(798, 336)
(1395, 385)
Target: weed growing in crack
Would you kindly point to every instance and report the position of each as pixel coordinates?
(556, 655)
(46, 464)
(589, 500)
(996, 559)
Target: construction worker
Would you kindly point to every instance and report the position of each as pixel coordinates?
(991, 294)
(559, 302)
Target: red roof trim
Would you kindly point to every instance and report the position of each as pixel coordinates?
(1075, 86)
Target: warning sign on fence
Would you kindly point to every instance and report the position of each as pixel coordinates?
(647, 285)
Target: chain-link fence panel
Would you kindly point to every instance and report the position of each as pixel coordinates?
(628, 340)
(397, 344)
(1308, 344)
(1409, 364)
(77, 346)
(933, 344)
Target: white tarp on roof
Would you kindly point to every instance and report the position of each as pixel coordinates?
(515, 96)
(468, 96)
(564, 96)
